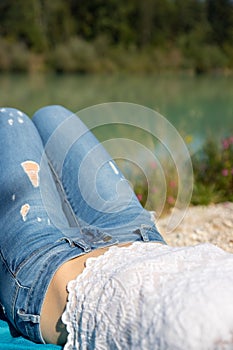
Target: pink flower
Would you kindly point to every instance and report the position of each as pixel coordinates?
(225, 143)
(153, 165)
(139, 195)
(231, 140)
(154, 189)
(225, 172)
(172, 184)
(171, 200)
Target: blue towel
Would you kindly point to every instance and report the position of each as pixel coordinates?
(8, 341)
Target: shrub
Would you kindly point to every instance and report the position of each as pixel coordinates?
(19, 58)
(4, 56)
(13, 56)
(77, 56)
(213, 172)
(155, 190)
(213, 178)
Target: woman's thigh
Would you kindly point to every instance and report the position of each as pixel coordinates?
(27, 232)
(94, 189)
(24, 170)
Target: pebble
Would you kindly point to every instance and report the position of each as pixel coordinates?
(201, 224)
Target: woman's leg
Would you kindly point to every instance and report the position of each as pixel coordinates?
(95, 191)
(25, 226)
(24, 170)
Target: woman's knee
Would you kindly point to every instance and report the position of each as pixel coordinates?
(50, 118)
(51, 112)
(12, 116)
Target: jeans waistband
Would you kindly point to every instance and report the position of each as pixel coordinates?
(29, 293)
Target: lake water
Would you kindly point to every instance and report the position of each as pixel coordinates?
(196, 106)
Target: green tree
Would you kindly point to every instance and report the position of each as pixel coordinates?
(200, 32)
(38, 23)
(19, 22)
(220, 16)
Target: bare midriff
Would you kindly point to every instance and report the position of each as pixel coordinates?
(52, 328)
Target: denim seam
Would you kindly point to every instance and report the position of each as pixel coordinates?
(12, 274)
(37, 332)
(21, 265)
(23, 313)
(24, 262)
(59, 183)
(6, 265)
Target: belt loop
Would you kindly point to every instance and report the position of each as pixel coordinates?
(82, 244)
(77, 243)
(144, 232)
(28, 317)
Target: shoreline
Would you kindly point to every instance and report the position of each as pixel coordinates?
(202, 224)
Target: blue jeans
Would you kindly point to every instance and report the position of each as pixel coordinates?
(61, 196)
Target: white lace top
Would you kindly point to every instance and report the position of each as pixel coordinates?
(151, 296)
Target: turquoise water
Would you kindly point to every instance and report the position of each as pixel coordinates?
(196, 106)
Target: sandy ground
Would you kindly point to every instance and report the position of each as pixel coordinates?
(213, 224)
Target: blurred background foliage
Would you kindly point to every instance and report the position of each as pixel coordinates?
(107, 36)
(132, 37)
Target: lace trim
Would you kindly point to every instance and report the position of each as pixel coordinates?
(152, 296)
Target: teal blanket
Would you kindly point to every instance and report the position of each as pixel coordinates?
(9, 341)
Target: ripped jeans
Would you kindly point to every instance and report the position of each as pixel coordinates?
(61, 196)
